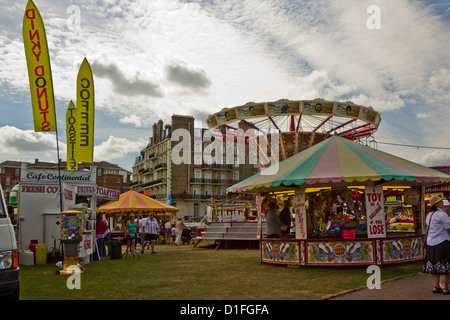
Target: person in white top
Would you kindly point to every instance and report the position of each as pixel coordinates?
(141, 232)
(437, 257)
(179, 226)
(151, 229)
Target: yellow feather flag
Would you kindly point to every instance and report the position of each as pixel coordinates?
(85, 114)
(71, 121)
(39, 72)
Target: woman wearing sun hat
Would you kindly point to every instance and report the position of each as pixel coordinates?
(437, 257)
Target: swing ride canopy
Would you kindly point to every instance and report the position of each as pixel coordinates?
(134, 202)
(339, 162)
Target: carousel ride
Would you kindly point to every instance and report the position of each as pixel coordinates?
(299, 124)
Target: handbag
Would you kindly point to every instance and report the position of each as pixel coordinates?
(425, 245)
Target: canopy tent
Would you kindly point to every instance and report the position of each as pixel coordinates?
(339, 162)
(134, 202)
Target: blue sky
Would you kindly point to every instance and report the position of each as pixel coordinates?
(155, 58)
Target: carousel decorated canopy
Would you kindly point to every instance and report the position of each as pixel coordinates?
(339, 162)
(134, 202)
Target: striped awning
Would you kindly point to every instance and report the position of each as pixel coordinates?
(134, 202)
(338, 161)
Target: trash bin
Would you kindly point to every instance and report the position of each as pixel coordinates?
(115, 248)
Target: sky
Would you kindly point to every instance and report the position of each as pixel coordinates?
(155, 58)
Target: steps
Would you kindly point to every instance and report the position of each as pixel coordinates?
(232, 231)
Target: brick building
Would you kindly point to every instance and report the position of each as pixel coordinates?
(191, 184)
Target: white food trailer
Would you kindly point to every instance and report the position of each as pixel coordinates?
(39, 205)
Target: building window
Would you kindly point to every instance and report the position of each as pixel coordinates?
(196, 211)
(197, 174)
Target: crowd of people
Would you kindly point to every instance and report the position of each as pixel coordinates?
(144, 231)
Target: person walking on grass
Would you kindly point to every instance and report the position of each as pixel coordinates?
(100, 229)
(179, 226)
(168, 232)
(141, 231)
(151, 230)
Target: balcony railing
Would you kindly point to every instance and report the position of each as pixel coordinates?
(214, 166)
(153, 182)
(206, 196)
(221, 181)
(161, 165)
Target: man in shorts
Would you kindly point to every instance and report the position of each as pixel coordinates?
(151, 229)
(168, 232)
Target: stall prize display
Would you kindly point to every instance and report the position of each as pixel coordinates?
(71, 236)
(341, 226)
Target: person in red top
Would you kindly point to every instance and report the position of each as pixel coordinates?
(100, 229)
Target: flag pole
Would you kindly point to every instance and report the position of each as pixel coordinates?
(59, 173)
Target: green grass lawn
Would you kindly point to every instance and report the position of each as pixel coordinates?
(200, 274)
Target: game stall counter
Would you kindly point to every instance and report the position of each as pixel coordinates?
(333, 232)
(338, 190)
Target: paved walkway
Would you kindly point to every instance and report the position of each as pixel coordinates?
(415, 287)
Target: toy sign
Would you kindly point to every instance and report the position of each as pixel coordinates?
(300, 216)
(375, 212)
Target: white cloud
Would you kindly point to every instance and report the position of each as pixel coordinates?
(227, 53)
(422, 115)
(132, 119)
(26, 145)
(116, 148)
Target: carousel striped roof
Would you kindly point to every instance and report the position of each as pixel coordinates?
(134, 202)
(338, 161)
